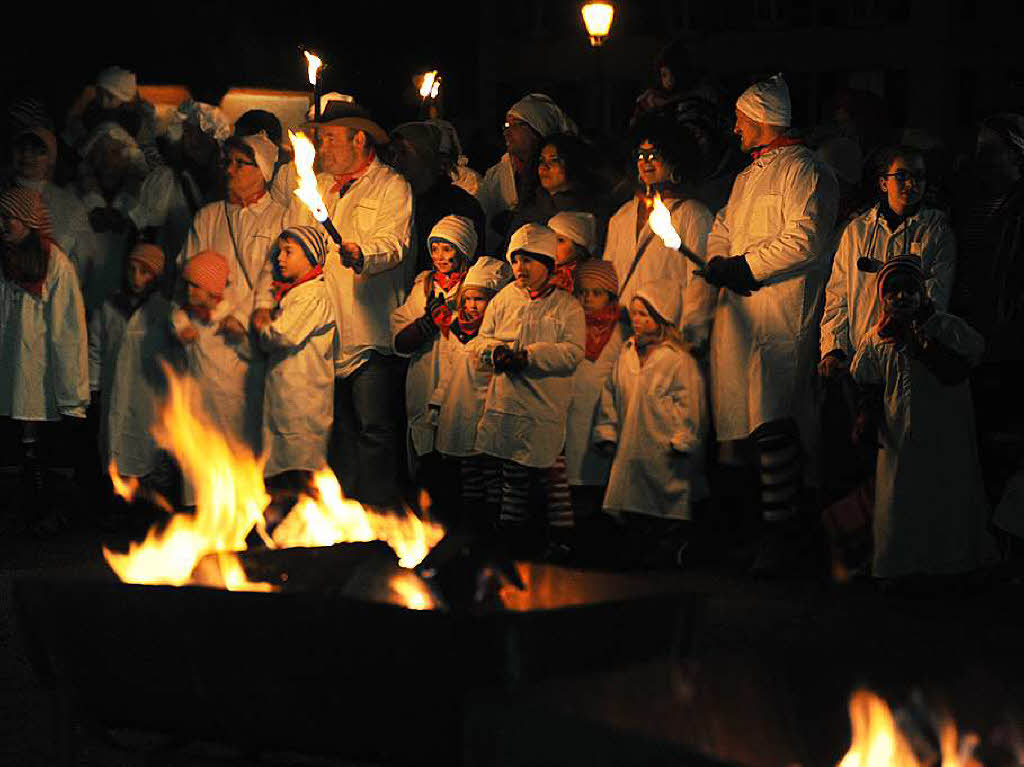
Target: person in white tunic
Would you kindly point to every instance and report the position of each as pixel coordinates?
(534, 335)
(930, 504)
(300, 339)
(458, 400)
(371, 207)
(663, 156)
(129, 338)
(421, 327)
(34, 160)
(45, 371)
(899, 225)
(221, 367)
(768, 254)
(597, 288)
(577, 242)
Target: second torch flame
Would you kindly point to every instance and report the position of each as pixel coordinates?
(430, 85)
(661, 224)
(305, 155)
(314, 66)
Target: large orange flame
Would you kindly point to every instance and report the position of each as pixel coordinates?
(306, 191)
(231, 499)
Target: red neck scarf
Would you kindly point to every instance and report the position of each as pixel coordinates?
(565, 277)
(281, 287)
(448, 281)
(600, 325)
(245, 202)
(545, 290)
(343, 181)
(778, 143)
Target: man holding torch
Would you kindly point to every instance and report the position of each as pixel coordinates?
(768, 255)
(370, 207)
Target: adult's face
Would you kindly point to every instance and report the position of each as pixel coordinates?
(551, 170)
(520, 139)
(650, 164)
(407, 161)
(752, 133)
(30, 159)
(903, 183)
(242, 174)
(339, 151)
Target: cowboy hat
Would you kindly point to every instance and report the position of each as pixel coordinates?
(350, 115)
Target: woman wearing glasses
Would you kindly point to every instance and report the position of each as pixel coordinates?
(898, 225)
(664, 158)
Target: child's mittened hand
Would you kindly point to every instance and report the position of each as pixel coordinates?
(231, 329)
(188, 334)
(261, 318)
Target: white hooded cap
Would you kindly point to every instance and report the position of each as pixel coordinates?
(767, 102)
(120, 82)
(210, 119)
(489, 274)
(541, 113)
(578, 226)
(664, 298)
(458, 231)
(264, 152)
(538, 241)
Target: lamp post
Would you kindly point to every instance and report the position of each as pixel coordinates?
(597, 17)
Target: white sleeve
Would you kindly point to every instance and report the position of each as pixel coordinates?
(561, 357)
(391, 240)
(835, 320)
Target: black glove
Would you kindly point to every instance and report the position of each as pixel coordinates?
(434, 302)
(507, 361)
(732, 273)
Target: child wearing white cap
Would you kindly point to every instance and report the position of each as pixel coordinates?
(534, 335)
(653, 417)
(577, 242)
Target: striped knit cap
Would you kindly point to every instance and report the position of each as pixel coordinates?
(150, 255)
(27, 113)
(312, 240)
(27, 206)
(208, 270)
(457, 231)
(600, 274)
(905, 265)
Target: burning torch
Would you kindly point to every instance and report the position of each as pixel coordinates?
(430, 86)
(314, 65)
(306, 190)
(661, 224)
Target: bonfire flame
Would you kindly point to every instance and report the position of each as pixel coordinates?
(660, 221)
(125, 487)
(306, 191)
(877, 741)
(314, 63)
(231, 499)
(430, 84)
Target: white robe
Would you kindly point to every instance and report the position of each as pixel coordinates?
(583, 464)
(496, 193)
(103, 275)
(930, 504)
(459, 398)
(164, 205)
(780, 215)
(656, 416)
(525, 413)
(851, 300)
(71, 229)
(299, 405)
(125, 356)
(44, 364)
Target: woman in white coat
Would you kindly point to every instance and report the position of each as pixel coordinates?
(45, 373)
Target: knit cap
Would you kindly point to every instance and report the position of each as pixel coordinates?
(150, 255)
(767, 102)
(537, 241)
(46, 136)
(663, 297)
(208, 270)
(488, 274)
(27, 206)
(600, 274)
(904, 265)
(578, 226)
(457, 231)
(312, 240)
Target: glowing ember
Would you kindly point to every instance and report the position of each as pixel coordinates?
(125, 487)
(876, 741)
(306, 191)
(231, 499)
(661, 224)
(429, 84)
(314, 63)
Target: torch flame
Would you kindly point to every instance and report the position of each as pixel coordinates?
(661, 223)
(228, 480)
(314, 64)
(429, 84)
(306, 191)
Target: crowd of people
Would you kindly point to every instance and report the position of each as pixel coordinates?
(521, 343)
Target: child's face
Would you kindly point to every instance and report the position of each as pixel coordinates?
(140, 277)
(530, 273)
(566, 252)
(445, 256)
(198, 296)
(593, 298)
(15, 230)
(644, 325)
(901, 296)
(292, 261)
(474, 302)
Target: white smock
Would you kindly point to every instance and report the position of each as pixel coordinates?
(692, 220)
(930, 503)
(164, 205)
(497, 193)
(851, 298)
(525, 413)
(71, 229)
(426, 364)
(583, 464)
(103, 275)
(764, 348)
(43, 348)
(299, 405)
(125, 355)
(459, 398)
(656, 416)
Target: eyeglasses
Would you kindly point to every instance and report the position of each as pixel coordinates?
(648, 155)
(903, 176)
(551, 162)
(227, 162)
(513, 123)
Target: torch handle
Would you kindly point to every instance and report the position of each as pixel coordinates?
(331, 230)
(692, 257)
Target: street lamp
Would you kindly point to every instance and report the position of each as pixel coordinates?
(597, 17)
